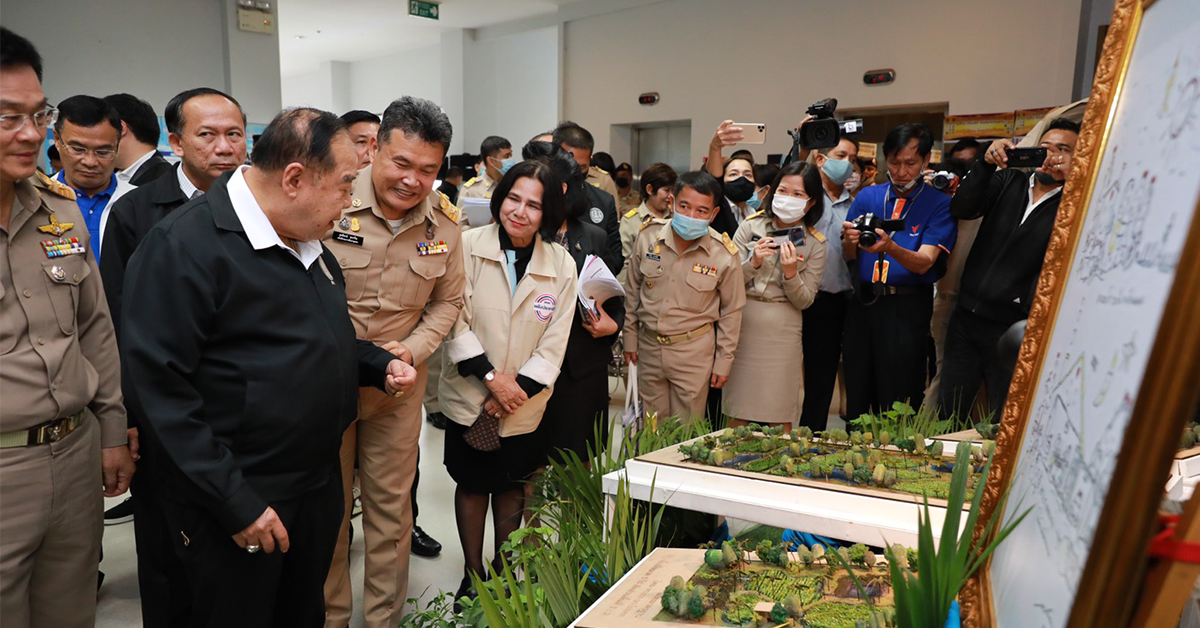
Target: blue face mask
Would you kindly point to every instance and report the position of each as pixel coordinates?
(754, 202)
(687, 227)
(838, 170)
(506, 165)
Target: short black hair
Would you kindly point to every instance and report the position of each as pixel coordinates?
(701, 182)
(354, 116)
(899, 137)
(743, 154)
(961, 145)
(299, 135)
(566, 169)
(657, 176)
(1062, 124)
(52, 153)
(813, 187)
(86, 111)
(453, 171)
(16, 50)
(844, 138)
(573, 135)
(604, 161)
(138, 115)
(764, 174)
(492, 145)
(173, 114)
(553, 203)
(417, 116)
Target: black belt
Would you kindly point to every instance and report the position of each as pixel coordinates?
(882, 289)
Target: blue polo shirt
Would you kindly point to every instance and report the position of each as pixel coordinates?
(92, 208)
(927, 221)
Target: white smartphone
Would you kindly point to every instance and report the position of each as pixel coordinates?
(752, 132)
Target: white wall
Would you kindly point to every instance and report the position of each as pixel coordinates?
(706, 59)
(511, 87)
(376, 82)
(153, 49)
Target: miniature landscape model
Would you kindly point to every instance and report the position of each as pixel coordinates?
(807, 588)
(906, 466)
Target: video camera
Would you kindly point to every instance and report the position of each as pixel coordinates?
(824, 131)
(868, 223)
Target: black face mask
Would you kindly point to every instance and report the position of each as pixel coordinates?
(623, 182)
(739, 190)
(1046, 179)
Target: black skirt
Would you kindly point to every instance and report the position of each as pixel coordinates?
(573, 413)
(499, 471)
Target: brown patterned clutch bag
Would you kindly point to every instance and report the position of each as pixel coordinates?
(484, 434)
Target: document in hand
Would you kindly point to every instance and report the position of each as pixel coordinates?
(477, 210)
(596, 285)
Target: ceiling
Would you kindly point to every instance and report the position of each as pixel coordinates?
(314, 31)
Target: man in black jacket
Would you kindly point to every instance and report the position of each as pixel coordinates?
(1002, 270)
(138, 161)
(241, 358)
(209, 128)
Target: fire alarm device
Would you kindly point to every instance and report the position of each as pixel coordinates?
(649, 98)
(879, 77)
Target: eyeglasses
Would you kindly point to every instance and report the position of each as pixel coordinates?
(41, 119)
(79, 152)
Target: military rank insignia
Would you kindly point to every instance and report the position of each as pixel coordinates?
(711, 271)
(55, 227)
(432, 248)
(61, 247)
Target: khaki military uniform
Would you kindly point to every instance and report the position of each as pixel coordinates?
(628, 201)
(60, 361)
(601, 179)
(406, 287)
(479, 187)
(673, 300)
(632, 223)
(766, 377)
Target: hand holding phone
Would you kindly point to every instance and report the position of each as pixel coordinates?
(752, 132)
(1026, 157)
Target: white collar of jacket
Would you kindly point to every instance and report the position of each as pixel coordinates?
(258, 228)
(539, 263)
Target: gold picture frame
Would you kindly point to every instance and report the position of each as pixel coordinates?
(1108, 587)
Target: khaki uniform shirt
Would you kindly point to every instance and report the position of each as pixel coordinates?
(522, 333)
(670, 292)
(479, 187)
(631, 226)
(767, 281)
(599, 178)
(56, 336)
(629, 201)
(408, 286)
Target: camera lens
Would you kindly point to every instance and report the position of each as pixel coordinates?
(821, 133)
(868, 239)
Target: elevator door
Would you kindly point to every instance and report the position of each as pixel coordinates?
(668, 142)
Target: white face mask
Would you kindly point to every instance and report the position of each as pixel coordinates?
(789, 209)
(853, 181)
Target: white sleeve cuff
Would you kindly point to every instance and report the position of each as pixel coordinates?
(463, 347)
(540, 371)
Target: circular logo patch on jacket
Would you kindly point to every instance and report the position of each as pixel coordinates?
(597, 215)
(544, 305)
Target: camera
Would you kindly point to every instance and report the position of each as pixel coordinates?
(824, 131)
(942, 180)
(868, 223)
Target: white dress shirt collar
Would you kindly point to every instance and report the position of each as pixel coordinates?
(258, 228)
(188, 188)
(127, 173)
(1032, 205)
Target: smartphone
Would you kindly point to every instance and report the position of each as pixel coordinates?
(753, 132)
(1026, 157)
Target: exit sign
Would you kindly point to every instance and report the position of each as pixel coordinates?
(421, 8)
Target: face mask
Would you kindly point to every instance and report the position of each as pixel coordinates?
(623, 182)
(754, 202)
(789, 209)
(687, 227)
(853, 181)
(739, 190)
(1046, 179)
(506, 165)
(838, 170)
(907, 186)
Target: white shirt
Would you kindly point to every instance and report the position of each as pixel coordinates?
(123, 187)
(127, 174)
(259, 231)
(1032, 205)
(188, 188)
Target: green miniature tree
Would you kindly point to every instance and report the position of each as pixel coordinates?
(899, 555)
(715, 559)
(885, 438)
(814, 468)
(804, 556)
(856, 553)
(919, 444)
(869, 559)
(731, 554)
(862, 475)
(878, 473)
(856, 438)
(848, 469)
(889, 478)
(936, 449)
(697, 602)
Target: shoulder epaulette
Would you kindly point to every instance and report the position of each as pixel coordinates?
(631, 213)
(599, 169)
(729, 245)
(470, 182)
(816, 234)
(756, 214)
(448, 208)
(646, 222)
(55, 187)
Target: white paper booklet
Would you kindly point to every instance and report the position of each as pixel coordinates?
(596, 285)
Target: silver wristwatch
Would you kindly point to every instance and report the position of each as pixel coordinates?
(490, 375)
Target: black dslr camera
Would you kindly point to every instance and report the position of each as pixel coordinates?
(942, 179)
(824, 131)
(868, 223)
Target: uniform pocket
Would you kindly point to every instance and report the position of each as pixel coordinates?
(425, 272)
(63, 276)
(354, 268)
(701, 290)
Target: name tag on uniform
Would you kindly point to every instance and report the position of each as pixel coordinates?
(653, 256)
(711, 271)
(432, 248)
(348, 238)
(61, 247)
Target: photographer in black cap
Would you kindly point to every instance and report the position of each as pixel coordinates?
(998, 282)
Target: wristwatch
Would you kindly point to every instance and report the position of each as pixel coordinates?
(490, 375)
